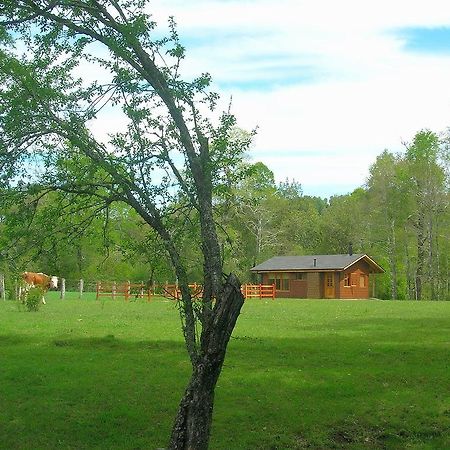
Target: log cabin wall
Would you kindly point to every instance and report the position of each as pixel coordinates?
(337, 283)
(354, 282)
(299, 289)
(314, 282)
(312, 285)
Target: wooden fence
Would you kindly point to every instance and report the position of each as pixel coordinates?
(248, 291)
(173, 291)
(127, 290)
(141, 290)
(258, 291)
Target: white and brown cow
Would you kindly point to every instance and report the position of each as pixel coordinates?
(40, 280)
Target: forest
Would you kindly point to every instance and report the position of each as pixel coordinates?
(400, 217)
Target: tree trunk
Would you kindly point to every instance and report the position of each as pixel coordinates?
(408, 269)
(432, 262)
(2, 287)
(193, 421)
(392, 262)
(421, 241)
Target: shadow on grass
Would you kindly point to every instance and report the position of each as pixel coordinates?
(7, 339)
(325, 390)
(111, 342)
(377, 325)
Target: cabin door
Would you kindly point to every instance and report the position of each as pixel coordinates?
(329, 285)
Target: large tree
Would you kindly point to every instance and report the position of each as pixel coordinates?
(386, 214)
(429, 201)
(168, 158)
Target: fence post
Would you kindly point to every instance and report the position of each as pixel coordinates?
(2, 287)
(63, 288)
(98, 289)
(127, 290)
(113, 291)
(81, 286)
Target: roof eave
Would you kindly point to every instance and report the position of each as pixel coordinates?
(313, 269)
(375, 267)
(370, 261)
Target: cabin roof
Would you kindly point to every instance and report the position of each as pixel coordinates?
(306, 263)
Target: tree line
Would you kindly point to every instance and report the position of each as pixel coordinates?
(400, 217)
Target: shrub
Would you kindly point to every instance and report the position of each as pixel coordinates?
(32, 300)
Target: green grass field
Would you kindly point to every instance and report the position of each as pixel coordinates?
(81, 374)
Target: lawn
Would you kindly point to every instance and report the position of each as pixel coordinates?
(81, 374)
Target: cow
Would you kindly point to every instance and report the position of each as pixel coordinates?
(39, 280)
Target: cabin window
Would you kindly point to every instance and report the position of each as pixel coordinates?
(280, 280)
(347, 280)
(362, 281)
(300, 276)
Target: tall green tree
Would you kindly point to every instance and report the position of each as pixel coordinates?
(386, 214)
(344, 222)
(252, 212)
(297, 217)
(428, 199)
(168, 152)
(408, 198)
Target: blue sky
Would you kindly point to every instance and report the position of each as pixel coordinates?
(329, 84)
(427, 40)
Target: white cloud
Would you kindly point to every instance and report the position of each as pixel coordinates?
(332, 83)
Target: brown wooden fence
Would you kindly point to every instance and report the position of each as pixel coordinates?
(248, 291)
(173, 291)
(127, 290)
(258, 291)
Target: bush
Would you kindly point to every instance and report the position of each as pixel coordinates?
(32, 300)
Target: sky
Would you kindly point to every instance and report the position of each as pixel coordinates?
(329, 84)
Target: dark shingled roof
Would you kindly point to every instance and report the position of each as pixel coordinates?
(323, 262)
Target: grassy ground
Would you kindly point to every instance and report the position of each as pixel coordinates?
(81, 374)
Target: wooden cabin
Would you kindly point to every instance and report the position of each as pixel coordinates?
(319, 276)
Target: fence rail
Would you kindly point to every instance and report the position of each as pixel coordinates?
(126, 290)
(137, 290)
(258, 291)
(173, 291)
